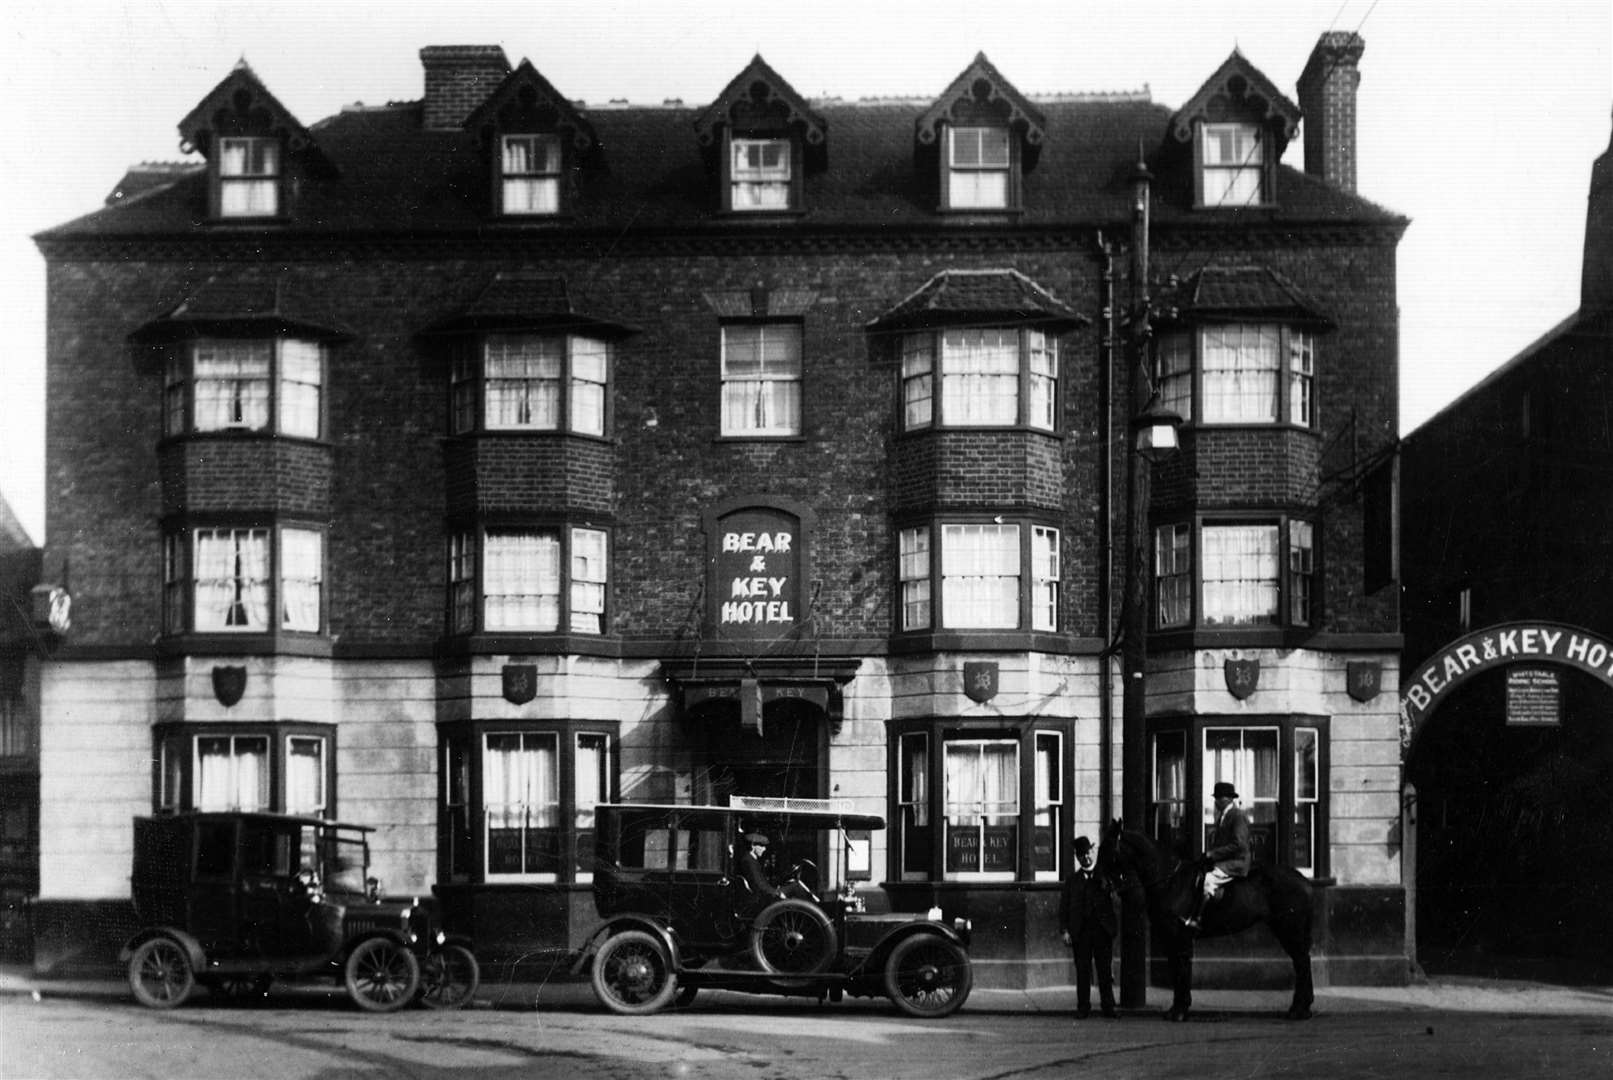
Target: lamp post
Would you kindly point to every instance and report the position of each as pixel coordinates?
(1151, 435)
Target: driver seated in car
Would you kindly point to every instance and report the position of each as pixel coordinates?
(748, 851)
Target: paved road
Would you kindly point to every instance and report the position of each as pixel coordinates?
(318, 1037)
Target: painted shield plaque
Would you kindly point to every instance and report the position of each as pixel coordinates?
(1242, 677)
(520, 683)
(980, 680)
(229, 683)
(1363, 679)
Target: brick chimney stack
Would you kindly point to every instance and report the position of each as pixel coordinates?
(1596, 273)
(1327, 98)
(459, 78)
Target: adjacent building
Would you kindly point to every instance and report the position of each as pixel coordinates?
(1508, 496)
(480, 458)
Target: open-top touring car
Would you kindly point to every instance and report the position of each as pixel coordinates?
(235, 900)
(679, 913)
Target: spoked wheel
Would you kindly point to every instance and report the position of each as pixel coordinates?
(381, 975)
(793, 937)
(633, 974)
(928, 976)
(160, 974)
(449, 978)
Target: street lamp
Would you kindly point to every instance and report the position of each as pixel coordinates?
(1152, 432)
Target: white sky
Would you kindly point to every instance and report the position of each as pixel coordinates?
(1478, 119)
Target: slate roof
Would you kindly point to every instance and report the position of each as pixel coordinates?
(526, 300)
(265, 300)
(1239, 293)
(953, 297)
(391, 176)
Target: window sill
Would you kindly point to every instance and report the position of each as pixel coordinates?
(789, 213)
(243, 435)
(535, 643)
(720, 439)
(527, 433)
(982, 429)
(910, 642)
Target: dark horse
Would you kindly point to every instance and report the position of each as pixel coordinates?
(1275, 895)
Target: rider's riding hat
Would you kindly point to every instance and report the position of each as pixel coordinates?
(1224, 790)
(1082, 845)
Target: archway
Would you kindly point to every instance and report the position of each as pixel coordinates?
(1508, 743)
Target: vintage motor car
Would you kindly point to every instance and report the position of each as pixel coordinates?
(233, 901)
(678, 913)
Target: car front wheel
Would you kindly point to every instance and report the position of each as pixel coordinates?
(793, 937)
(633, 974)
(928, 976)
(449, 978)
(382, 975)
(160, 974)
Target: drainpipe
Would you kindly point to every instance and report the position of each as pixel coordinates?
(1106, 614)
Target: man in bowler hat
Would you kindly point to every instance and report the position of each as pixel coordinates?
(1229, 854)
(1087, 916)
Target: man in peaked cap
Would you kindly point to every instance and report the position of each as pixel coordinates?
(1229, 855)
(748, 851)
(1087, 920)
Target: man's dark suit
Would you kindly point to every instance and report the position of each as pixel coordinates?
(1087, 914)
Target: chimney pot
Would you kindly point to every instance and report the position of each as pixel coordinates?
(1327, 98)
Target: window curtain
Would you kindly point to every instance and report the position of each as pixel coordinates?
(980, 377)
(1045, 571)
(761, 392)
(302, 562)
(232, 385)
(522, 581)
(1041, 410)
(589, 371)
(587, 581)
(531, 181)
(980, 575)
(1232, 157)
(232, 773)
(521, 793)
(300, 374)
(760, 174)
(1240, 574)
(523, 381)
(247, 170)
(232, 579)
(305, 776)
(1241, 365)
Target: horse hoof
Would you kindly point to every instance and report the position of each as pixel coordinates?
(1299, 1014)
(1175, 1016)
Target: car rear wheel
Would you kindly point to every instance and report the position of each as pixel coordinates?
(793, 937)
(928, 976)
(449, 978)
(160, 974)
(633, 974)
(381, 975)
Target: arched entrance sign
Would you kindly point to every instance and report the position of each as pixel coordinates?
(1496, 647)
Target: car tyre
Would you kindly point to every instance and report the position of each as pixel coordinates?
(793, 937)
(928, 976)
(160, 973)
(449, 978)
(633, 974)
(381, 975)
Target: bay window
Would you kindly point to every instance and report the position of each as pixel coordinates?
(532, 382)
(532, 579)
(989, 575)
(281, 767)
(761, 379)
(1276, 763)
(1247, 373)
(243, 579)
(998, 791)
(245, 384)
(1230, 573)
(1002, 377)
(518, 799)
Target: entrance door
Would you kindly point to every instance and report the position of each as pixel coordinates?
(785, 761)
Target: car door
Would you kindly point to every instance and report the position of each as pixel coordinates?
(213, 900)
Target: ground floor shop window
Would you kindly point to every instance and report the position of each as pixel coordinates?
(518, 799)
(287, 768)
(1276, 765)
(997, 793)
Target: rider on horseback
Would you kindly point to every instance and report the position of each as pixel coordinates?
(1229, 855)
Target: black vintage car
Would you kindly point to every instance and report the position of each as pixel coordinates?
(233, 901)
(679, 915)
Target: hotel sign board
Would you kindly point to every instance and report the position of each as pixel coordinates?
(1534, 697)
(1505, 646)
(755, 572)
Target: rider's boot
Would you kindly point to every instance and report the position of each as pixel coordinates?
(1191, 923)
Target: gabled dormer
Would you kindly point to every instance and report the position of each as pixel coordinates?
(535, 141)
(760, 138)
(253, 147)
(1236, 128)
(979, 139)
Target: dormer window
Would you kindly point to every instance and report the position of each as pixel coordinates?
(248, 177)
(1231, 165)
(979, 168)
(760, 174)
(531, 174)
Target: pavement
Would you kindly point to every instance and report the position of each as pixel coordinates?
(1451, 993)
